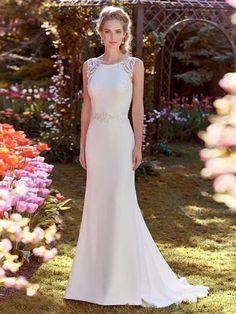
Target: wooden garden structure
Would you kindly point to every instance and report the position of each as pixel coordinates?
(169, 18)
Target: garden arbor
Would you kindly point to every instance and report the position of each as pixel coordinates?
(169, 18)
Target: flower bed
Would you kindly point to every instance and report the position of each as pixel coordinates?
(24, 108)
(37, 113)
(29, 210)
(179, 118)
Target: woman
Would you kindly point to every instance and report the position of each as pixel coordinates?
(117, 260)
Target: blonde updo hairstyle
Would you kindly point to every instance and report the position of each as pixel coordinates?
(116, 13)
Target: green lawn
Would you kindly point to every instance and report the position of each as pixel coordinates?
(195, 234)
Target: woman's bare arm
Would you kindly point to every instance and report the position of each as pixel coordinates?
(86, 109)
(137, 102)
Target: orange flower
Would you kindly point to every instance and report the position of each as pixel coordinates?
(42, 146)
(12, 161)
(23, 141)
(11, 144)
(3, 168)
(29, 167)
(7, 126)
(3, 151)
(26, 113)
(12, 150)
(27, 152)
(22, 164)
(19, 134)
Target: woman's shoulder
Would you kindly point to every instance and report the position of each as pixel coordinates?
(136, 59)
(89, 65)
(136, 63)
(89, 60)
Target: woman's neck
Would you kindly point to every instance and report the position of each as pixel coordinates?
(112, 56)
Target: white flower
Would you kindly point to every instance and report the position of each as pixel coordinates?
(21, 188)
(13, 88)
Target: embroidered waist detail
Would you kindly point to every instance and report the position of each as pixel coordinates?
(106, 117)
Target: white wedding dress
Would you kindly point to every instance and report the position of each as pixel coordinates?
(116, 260)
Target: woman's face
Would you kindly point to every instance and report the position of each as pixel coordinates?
(112, 34)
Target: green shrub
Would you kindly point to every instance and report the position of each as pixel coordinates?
(38, 70)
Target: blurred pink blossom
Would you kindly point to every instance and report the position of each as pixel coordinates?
(232, 3)
(5, 245)
(228, 82)
(2, 272)
(224, 182)
(21, 282)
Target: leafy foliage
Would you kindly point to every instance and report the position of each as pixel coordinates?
(22, 40)
(202, 54)
(50, 212)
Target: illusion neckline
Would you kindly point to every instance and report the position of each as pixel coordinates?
(100, 61)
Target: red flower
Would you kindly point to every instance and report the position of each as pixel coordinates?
(60, 197)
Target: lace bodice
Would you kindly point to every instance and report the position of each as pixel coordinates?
(110, 88)
(127, 64)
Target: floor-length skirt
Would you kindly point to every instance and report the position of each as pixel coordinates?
(116, 260)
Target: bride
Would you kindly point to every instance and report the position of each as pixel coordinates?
(116, 260)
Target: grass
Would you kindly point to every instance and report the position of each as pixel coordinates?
(195, 235)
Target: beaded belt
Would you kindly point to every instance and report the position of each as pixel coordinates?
(106, 117)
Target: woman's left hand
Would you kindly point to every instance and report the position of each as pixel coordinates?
(137, 157)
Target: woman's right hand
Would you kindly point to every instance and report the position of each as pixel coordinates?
(82, 159)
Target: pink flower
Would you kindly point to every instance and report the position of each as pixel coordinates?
(48, 182)
(39, 234)
(32, 207)
(20, 173)
(21, 282)
(49, 254)
(39, 200)
(212, 135)
(232, 3)
(4, 193)
(10, 282)
(228, 82)
(17, 232)
(40, 183)
(6, 245)
(39, 251)
(44, 192)
(60, 197)
(229, 136)
(224, 183)
(16, 217)
(217, 166)
(5, 206)
(21, 206)
(2, 273)
(205, 154)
